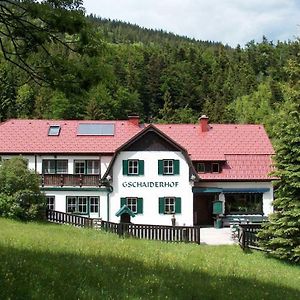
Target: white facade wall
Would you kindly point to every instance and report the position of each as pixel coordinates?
(38, 160)
(267, 196)
(151, 195)
(61, 204)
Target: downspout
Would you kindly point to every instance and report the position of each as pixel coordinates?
(109, 191)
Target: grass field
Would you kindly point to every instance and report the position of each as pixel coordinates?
(48, 261)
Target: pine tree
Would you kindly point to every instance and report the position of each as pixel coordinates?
(281, 235)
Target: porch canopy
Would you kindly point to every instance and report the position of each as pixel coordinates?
(198, 190)
(125, 210)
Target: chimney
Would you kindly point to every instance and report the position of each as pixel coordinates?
(203, 122)
(134, 120)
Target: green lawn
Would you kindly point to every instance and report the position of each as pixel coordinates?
(48, 261)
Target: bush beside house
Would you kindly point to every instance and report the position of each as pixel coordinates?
(20, 195)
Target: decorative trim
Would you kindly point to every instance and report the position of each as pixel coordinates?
(85, 189)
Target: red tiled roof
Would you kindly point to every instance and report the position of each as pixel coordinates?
(31, 136)
(245, 148)
(243, 167)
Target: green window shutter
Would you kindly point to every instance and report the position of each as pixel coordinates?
(176, 167)
(160, 167)
(123, 201)
(161, 205)
(178, 205)
(141, 167)
(125, 167)
(140, 205)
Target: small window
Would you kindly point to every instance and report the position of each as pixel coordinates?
(49, 166)
(79, 166)
(82, 205)
(201, 167)
(169, 205)
(168, 166)
(62, 167)
(92, 167)
(54, 130)
(94, 204)
(207, 168)
(132, 204)
(215, 167)
(50, 202)
(133, 167)
(71, 204)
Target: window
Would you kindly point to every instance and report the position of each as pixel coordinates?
(71, 204)
(133, 167)
(168, 167)
(92, 167)
(50, 202)
(169, 205)
(82, 204)
(54, 130)
(49, 167)
(243, 203)
(215, 168)
(55, 166)
(135, 204)
(79, 166)
(94, 204)
(61, 166)
(132, 204)
(208, 167)
(200, 167)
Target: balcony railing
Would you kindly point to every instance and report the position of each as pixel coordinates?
(70, 180)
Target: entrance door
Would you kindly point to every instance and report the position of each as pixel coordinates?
(203, 209)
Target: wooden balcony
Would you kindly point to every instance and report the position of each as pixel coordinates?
(70, 180)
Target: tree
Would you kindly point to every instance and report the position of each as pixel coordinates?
(37, 36)
(281, 235)
(20, 195)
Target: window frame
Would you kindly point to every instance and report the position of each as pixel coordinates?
(169, 205)
(136, 161)
(168, 166)
(94, 207)
(133, 205)
(84, 166)
(212, 167)
(199, 170)
(55, 169)
(72, 205)
(56, 129)
(93, 169)
(52, 197)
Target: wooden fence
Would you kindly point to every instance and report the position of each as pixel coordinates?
(154, 232)
(248, 235)
(142, 231)
(64, 218)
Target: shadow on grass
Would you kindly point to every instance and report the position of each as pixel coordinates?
(47, 275)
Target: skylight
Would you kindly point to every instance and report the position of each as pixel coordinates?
(54, 130)
(96, 129)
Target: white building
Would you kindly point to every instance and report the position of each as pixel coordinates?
(156, 172)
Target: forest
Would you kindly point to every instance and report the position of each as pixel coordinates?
(97, 68)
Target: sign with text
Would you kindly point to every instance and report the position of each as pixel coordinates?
(150, 184)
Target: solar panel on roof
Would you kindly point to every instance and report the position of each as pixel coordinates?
(54, 130)
(96, 129)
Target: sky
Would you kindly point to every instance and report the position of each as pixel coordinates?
(231, 22)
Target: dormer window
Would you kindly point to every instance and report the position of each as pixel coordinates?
(54, 130)
(208, 167)
(200, 167)
(215, 167)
